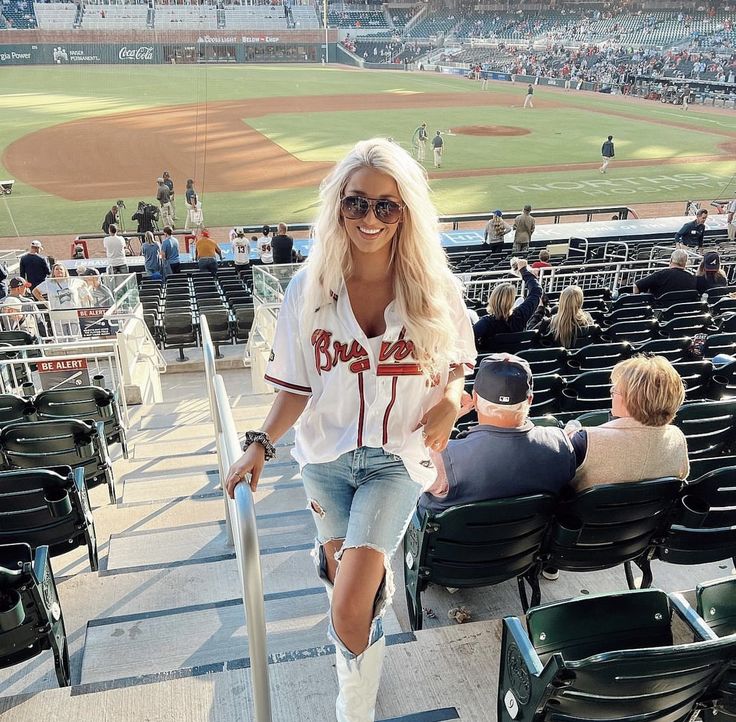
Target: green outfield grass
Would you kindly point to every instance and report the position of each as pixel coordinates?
(668, 158)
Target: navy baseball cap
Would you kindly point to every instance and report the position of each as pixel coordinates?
(503, 379)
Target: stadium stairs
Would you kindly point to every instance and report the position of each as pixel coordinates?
(158, 633)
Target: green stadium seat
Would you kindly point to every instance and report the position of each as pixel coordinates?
(79, 444)
(476, 545)
(31, 620)
(609, 657)
(709, 426)
(47, 507)
(86, 403)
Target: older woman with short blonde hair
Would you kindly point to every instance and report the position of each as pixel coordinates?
(639, 443)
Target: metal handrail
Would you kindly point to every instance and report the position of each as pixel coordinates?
(241, 520)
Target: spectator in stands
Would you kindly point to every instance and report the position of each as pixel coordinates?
(496, 229)
(495, 459)
(169, 253)
(282, 245)
(691, 234)
(151, 252)
(709, 274)
(193, 209)
(206, 252)
(110, 217)
(15, 319)
(674, 278)
(543, 261)
(265, 251)
(170, 185)
(99, 295)
(524, 225)
(639, 443)
(502, 316)
(33, 266)
(60, 291)
(241, 250)
(19, 288)
(376, 285)
(570, 325)
(115, 251)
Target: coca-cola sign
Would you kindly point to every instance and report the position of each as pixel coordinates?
(143, 52)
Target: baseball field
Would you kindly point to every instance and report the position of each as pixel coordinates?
(258, 139)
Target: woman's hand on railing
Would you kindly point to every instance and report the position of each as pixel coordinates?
(251, 462)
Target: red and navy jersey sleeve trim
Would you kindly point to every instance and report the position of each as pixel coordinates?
(286, 386)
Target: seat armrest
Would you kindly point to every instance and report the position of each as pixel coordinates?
(40, 563)
(693, 620)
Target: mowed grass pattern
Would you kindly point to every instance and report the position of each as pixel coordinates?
(569, 130)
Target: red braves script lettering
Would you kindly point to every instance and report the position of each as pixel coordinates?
(397, 350)
(328, 353)
(71, 365)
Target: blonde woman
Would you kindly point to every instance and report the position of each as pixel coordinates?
(495, 231)
(63, 292)
(370, 350)
(502, 316)
(570, 323)
(639, 443)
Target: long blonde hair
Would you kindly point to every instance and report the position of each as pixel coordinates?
(422, 280)
(501, 301)
(570, 317)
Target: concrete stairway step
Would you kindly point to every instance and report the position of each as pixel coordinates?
(88, 596)
(269, 498)
(165, 420)
(193, 543)
(195, 434)
(200, 635)
(445, 674)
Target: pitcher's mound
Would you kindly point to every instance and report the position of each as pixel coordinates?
(490, 130)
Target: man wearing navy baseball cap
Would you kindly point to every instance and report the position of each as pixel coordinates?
(505, 454)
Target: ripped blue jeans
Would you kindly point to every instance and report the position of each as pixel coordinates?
(367, 498)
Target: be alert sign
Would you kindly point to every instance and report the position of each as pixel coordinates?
(65, 374)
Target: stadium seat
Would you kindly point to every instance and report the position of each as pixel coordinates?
(709, 426)
(677, 310)
(723, 305)
(726, 324)
(14, 408)
(631, 331)
(703, 527)
(673, 349)
(512, 342)
(672, 297)
(609, 657)
(31, 619)
(599, 356)
(243, 322)
(68, 442)
(611, 524)
(218, 322)
(720, 343)
(697, 377)
(633, 299)
(547, 395)
(47, 507)
(179, 332)
(87, 403)
(589, 391)
(543, 361)
(686, 325)
(475, 545)
(627, 313)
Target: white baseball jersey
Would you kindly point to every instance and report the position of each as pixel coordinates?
(363, 392)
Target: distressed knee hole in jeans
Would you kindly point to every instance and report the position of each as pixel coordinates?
(316, 508)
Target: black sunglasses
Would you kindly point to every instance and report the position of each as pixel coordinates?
(386, 211)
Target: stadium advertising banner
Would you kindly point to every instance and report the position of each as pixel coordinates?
(81, 54)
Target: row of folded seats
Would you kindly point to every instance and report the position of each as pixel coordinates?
(172, 310)
(54, 447)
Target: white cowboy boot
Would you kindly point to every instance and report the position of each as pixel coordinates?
(358, 679)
